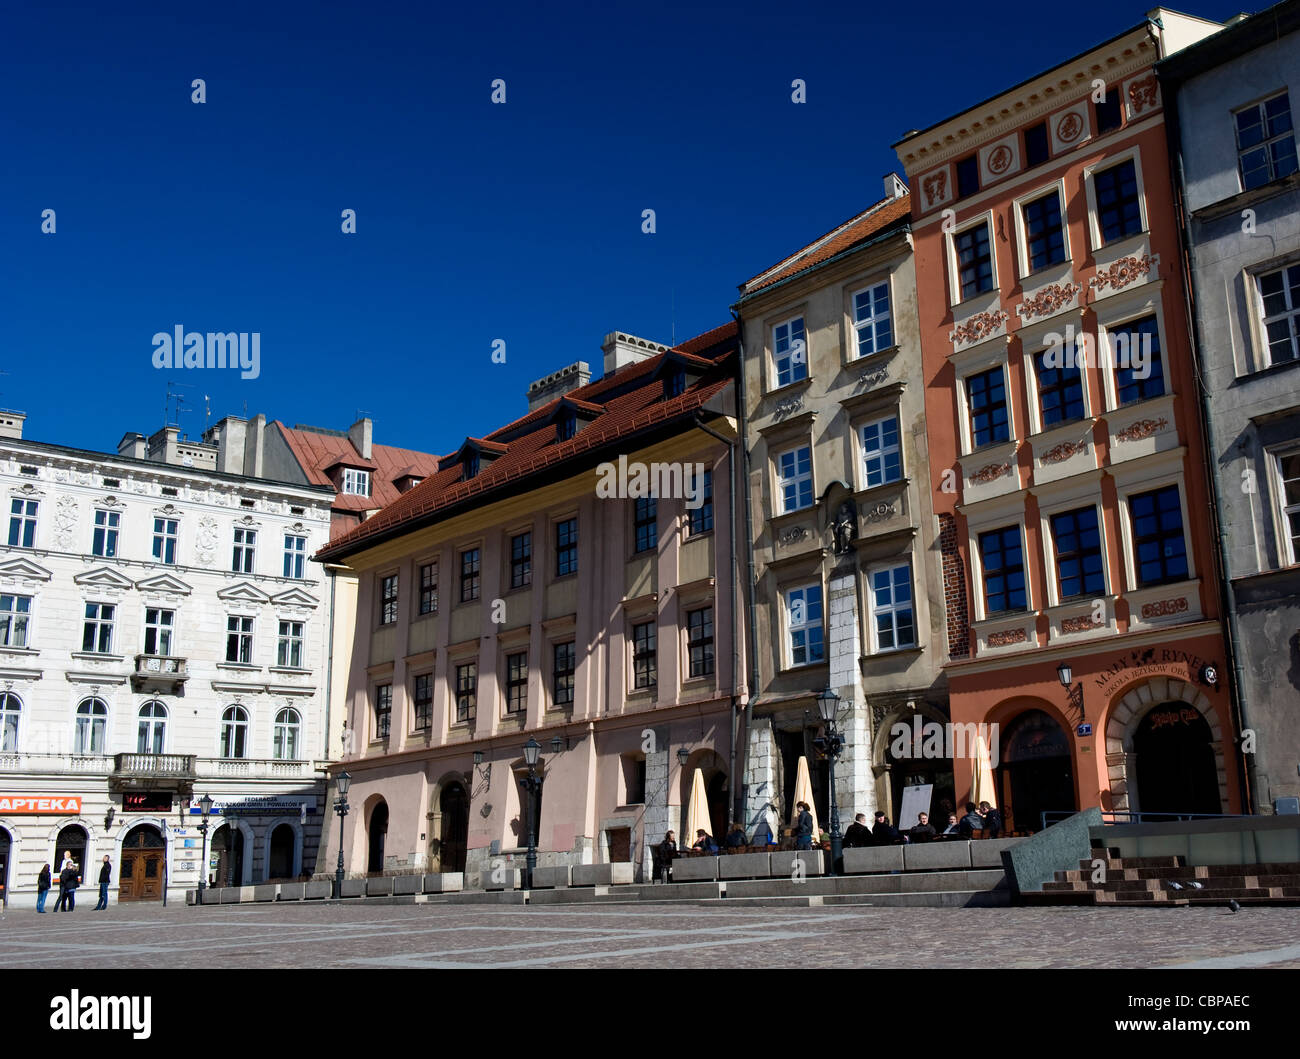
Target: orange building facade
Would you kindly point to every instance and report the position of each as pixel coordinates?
(1065, 445)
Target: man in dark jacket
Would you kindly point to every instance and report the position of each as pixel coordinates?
(884, 833)
(971, 822)
(858, 834)
(992, 820)
(803, 826)
(663, 857)
(68, 879)
(105, 874)
(922, 830)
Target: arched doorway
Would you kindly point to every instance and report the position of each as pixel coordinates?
(280, 864)
(229, 854)
(1036, 774)
(1176, 770)
(715, 790)
(6, 843)
(913, 764)
(140, 873)
(378, 833)
(453, 837)
(72, 841)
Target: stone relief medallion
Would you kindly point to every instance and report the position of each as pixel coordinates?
(1000, 160)
(65, 522)
(788, 406)
(794, 535)
(880, 512)
(873, 378)
(936, 187)
(1069, 128)
(1142, 93)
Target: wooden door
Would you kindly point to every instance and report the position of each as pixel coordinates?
(140, 874)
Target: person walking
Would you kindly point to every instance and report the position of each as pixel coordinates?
(105, 875)
(68, 879)
(663, 857)
(803, 827)
(42, 888)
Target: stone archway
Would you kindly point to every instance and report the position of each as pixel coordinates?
(1126, 714)
(892, 772)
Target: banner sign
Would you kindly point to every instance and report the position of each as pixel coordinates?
(259, 804)
(44, 803)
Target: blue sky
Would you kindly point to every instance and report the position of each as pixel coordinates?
(475, 222)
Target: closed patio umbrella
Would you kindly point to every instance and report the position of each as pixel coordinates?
(982, 787)
(697, 811)
(803, 792)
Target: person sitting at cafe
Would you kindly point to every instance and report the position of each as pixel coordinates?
(922, 830)
(736, 837)
(858, 834)
(704, 842)
(992, 820)
(951, 830)
(884, 833)
(971, 822)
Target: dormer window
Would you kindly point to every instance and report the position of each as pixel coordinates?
(356, 482)
(471, 465)
(674, 382)
(566, 426)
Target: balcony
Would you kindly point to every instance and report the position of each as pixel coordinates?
(142, 772)
(164, 674)
(255, 769)
(56, 764)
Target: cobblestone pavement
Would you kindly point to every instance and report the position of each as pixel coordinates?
(412, 936)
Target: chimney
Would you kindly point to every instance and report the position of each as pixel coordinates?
(132, 445)
(360, 433)
(557, 383)
(228, 435)
(167, 446)
(622, 349)
(894, 187)
(11, 424)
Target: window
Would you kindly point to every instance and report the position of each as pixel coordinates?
(803, 614)
(891, 608)
(987, 397)
(295, 556)
(104, 541)
(287, 735)
(239, 640)
(521, 560)
(1044, 232)
(469, 575)
(245, 551)
(1288, 466)
(470, 466)
(674, 383)
(1279, 293)
(383, 710)
(15, 616)
(1004, 570)
(566, 426)
(645, 523)
(1077, 542)
(466, 691)
(1158, 544)
(645, 662)
(288, 650)
(566, 547)
(22, 523)
(164, 539)
(700, 519)
(517, 682)
(790, 351)
(356, 482)
(1060, 389)
(97, 632)
(1119, 211)
(423, 700)
(968, 176)
(429, 588)
(871, 320)
(11, 708)
(158, 627)
(92, 727)
(234, 732)
(1109, 111)
(881, 453)
(564, 665)
(699, 641)
(974, 260)
(388, 599)
(794, 474)
(1139, 370)
(1265, 141)
(1036, 148)
(151, 734)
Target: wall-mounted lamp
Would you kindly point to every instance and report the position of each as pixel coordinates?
(1065, 674)
(478, 757)
(108, 817)
(683, 755)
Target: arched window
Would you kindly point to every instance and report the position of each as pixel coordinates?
(153, 728)
(234, 732)
(10, 708)
(287, 735)
(92, 726)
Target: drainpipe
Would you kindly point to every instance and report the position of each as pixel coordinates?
(735, 617)
(329, 666)
(1247, 773)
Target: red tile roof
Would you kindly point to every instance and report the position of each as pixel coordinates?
(858, 229)
(630, 401)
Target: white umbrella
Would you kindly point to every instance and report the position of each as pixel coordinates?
(982, 788)
(697, 811)
(803, 792)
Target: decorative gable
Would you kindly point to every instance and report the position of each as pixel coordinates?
(295, 597)
(164, 583)
(24, 570)
(243, 592)
(103, 577)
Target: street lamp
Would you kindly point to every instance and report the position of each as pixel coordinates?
(344, 781)
(1065, 674)
(205, 804)
(683, 756)
(532, 784)
(828, 704)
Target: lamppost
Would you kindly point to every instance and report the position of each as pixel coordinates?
(229, 814)
(344, 781)
(205, 804)
(532, 783)
(828, 704)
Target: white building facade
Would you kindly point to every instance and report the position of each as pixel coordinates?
(164, 635)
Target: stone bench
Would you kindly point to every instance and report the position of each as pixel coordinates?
(502, 878)
(695, 869)
(745, 866)
(950, 855)
(872, 859)
(353, 888)
(316, 889)
(449, 882)
(406, 884)
(381, 886)
(619, 874)
(550, 878)
(290, 892)
(812, 860)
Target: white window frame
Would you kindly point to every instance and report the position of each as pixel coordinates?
(286, 641)
(882, 452)
(153, 723)
(954, 269)
(791, 626)
(9, 621)
(99, 622)
(874, 318)
(1033, 347)
(161, 537)
(1148, 476)
(6, 711)
(1113, 318)
(29, 513)
(244, 547)
(1077, 494)
(776, 368)
(356, 482)
(111, 528)
(1094, 220)
(1022, 228)
(235, 724)
(893, 608)
(160, 628)
(1288, 552)
(798, 478)
(87, 747)
(286, 732)
(999, 514)
(1292, 314)
(251, 635)
(295, 555)
(1259, 105)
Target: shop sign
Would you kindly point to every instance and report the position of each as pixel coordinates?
(43, 803)
(259, 805)
(1152, 662)
(147, 802)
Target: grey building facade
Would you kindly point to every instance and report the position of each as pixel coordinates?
(1233, 147)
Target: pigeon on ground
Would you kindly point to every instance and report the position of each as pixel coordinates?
(1173, 885)
(1196, 885)
(1234, 906)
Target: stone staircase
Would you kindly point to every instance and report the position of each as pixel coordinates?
(1109, 879)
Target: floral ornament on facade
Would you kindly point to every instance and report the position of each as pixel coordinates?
(1164, 608)
(1007, 637)
(1143, 93)
(788, 406)
(794, 535)
(990, 473)
(936, 186)
(1143, 428)
(1050, 299)
(873, 378)
(981, 325)
(1077, 625)
(1063, 451)
(1124, 271)
(880, 512)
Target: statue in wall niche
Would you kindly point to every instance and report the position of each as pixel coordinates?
(844, 528)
